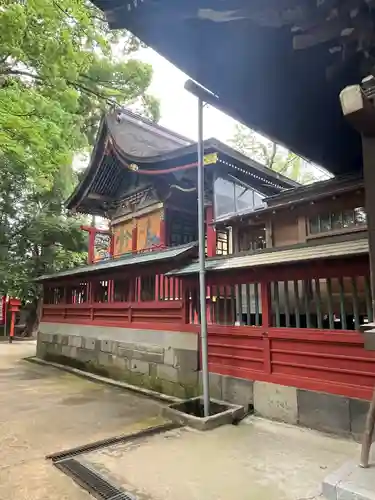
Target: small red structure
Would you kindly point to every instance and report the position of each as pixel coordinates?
(14, 305)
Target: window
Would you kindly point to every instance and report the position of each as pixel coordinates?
(338, 220)
(222, 242)
(183, 228)
(232, 197)
(252, 239)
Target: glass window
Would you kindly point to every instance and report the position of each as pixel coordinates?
(231, 197)
(360, 216)
(224, 197)
(325, 223)
(334, 221)
(315, 225)
(337, 221)
(348, 218)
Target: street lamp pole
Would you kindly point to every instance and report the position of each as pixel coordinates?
(203, 96)
(202, 263)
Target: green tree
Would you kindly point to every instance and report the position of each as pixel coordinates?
(274, 156)
(58, 74)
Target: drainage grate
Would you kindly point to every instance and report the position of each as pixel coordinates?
(91, 481)
(61, 455)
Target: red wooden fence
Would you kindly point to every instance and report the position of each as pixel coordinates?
(334, 362)
(296, 323)
(158, 315)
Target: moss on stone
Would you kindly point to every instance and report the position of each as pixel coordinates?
(114, 372)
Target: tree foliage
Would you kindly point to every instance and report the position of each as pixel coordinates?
(58, 73)
(274, 156)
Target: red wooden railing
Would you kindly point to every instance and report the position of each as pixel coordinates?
(122, 314)
(329, 361)
(260, 326)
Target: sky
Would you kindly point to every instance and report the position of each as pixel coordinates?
(178, 107)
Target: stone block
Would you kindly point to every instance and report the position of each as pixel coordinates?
(64, 339)
(104, 358)
(186, 360)
(59, 339)
(167, 373)
(41, 349)
(89, 343)
(276, 401)
(169, 357)
(75, 341)
(140, 367)
(150, 357)
(325, 412)
(106, 345)
(215, 382)
(358, 410)
(237, 391)
(69, 351)
(153, 370)
(120, 363)
(55, 349)
(44, 337)
(349, 482)
(86, 355)
(114, 347)
(188, 377)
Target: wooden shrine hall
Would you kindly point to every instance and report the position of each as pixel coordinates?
(287, 278)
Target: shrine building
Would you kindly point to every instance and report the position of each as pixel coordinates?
(287, 278)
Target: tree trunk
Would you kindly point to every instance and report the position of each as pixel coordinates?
(368, 433)
(33, 319)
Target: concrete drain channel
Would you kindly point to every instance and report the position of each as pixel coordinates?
(89, 479)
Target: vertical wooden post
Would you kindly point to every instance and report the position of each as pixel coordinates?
(211, 232)
(163, 231)
(368, 151)
(157, 292)
(134, 236)
(360, 111)
(265, 290)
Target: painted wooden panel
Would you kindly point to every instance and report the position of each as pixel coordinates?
(149, 230)
(102, 246)
(122, 234)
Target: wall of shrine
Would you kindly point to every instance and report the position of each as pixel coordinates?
(138, 233)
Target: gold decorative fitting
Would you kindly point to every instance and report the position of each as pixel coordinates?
(133, 167)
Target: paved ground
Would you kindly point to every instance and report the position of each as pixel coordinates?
(257, 460)
(44, 410)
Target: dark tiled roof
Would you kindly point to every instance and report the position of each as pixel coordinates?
(280, 256)
(121, 262)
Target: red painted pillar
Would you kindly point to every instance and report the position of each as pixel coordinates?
(211, 232)
(265, 290)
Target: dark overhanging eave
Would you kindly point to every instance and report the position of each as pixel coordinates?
(84, 185)
(280, 92)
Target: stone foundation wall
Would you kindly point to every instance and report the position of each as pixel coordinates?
(316, 410)
(167, 362)
(162, 361)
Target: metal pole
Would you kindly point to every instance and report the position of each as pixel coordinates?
(202, 267)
